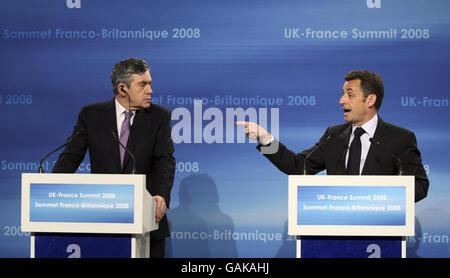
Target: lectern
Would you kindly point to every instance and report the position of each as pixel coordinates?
(87, 215)
(351, 216)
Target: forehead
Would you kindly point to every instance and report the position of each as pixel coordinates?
(354, 85)
(143, 77)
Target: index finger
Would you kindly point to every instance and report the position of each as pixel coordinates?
(242, 123)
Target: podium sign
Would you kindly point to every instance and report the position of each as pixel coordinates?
(351, 205)
(346, 206)
(91, 203)
(98, 211)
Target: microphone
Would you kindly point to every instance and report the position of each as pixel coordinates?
(397, 160)
(41, 170)
(128, 151)
(335, 135)
(309, 154)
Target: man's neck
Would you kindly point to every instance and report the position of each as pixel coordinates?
(125, 103)
(367, 119)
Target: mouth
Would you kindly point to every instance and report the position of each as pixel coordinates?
(346, 110)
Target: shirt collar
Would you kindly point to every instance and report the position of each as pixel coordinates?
(369, 127)
(120, 109)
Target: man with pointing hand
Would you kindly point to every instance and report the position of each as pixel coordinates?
(365, 145)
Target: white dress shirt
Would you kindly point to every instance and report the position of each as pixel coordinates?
(120, 116)
(369, 128)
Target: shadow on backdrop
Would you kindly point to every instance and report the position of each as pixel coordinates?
(288, 247)
(197, 222)
(413, 243)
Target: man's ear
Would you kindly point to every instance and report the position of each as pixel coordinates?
(371, 99)
(122, 89)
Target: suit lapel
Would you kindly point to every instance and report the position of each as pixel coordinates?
(374, 148)
(343, 138)
(112, 128)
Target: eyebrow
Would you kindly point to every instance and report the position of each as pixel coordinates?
(348, 89)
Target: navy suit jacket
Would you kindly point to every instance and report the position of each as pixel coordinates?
(393, 149)
(150, 142)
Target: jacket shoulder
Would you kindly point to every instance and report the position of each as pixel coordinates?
(336, 129)
(158, 109)
(395, 129)
(107, 105)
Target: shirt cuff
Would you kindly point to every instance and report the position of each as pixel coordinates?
(267, 141)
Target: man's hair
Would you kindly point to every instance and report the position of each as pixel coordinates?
(371, 83)
(124, 69)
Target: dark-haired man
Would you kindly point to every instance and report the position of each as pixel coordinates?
(144, 129)
(380, 148)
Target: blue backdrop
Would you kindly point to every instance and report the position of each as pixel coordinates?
(281, 61)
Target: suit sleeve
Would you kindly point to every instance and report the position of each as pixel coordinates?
(291, 163)
(74, 153)
(412, 165)
(163, 162)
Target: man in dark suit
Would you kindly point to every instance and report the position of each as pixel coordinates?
(380, 148)
(148, 129)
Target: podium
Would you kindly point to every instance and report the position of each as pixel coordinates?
(87, 215)
(351, 216)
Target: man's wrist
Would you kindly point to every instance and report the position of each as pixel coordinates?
(266, 140)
